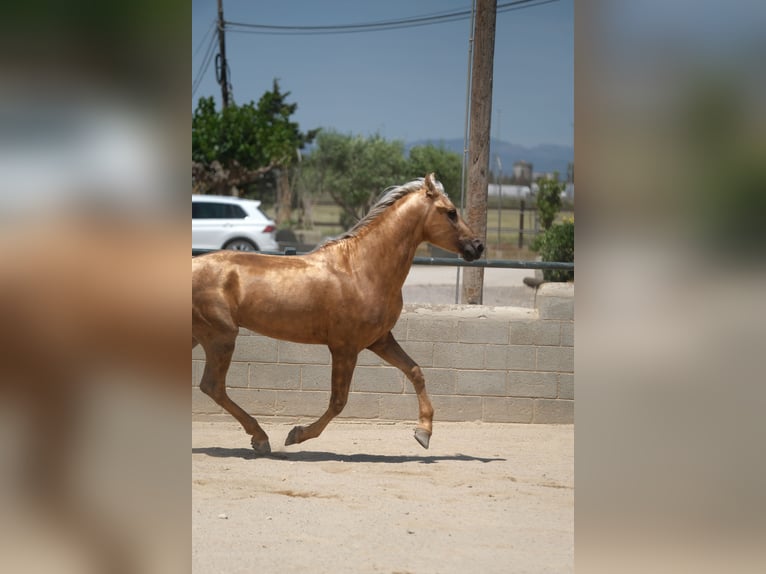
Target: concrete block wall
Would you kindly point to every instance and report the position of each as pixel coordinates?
(491, 364)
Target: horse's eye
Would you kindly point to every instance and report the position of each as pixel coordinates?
(452, 214)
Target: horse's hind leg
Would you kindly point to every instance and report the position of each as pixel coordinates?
(343, 364)
(218, 358)
(389, 350)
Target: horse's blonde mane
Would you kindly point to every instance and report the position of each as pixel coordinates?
(389, 196)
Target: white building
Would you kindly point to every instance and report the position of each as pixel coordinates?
(518, 191)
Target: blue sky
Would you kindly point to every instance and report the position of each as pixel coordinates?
(406, 84)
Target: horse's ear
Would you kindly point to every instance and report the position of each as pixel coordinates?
(430, 185)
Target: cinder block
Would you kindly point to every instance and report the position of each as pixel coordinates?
(400, 329)
(458, 356)
(557, 359)
(532, 384)
(553, 304)
(238, 375)
(457, 408)
(198, 353)
(500, 368)
(507, 410)
(197, 369)
(481, 383)
(203, 404)
(255, 348)
(431, 330)
(535, 332)
(566, 386)
(257, 402)
(567, 334)
(316, 377)
(362, 406)
(370, 359)
(421, 352)
(483, 331)
(311, 404)
(399, 407)
(438, 382)
(298, 353)
(275, 376)
(556, 289)
(378, 380)
(521, 358)
(553, 411)
(495, 357)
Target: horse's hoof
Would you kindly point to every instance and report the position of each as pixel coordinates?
(261, 448)
(423, 437)
(292, 437)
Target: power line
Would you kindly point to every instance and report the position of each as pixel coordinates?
(436, 18)
(411, 22)
(202, 41)
(205, 64)
(206, 58)
(376, 26)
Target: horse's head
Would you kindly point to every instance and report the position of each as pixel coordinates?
(444, 227)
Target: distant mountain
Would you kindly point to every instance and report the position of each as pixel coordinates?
(544, 157)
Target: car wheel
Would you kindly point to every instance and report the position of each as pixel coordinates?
(240, 245)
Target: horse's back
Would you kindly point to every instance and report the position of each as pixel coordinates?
(277, 296)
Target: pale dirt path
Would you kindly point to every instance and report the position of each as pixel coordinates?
(365, 497)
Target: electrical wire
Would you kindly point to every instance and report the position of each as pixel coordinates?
(204, 65)
(377, 26)
(204, 37)
(411, 22)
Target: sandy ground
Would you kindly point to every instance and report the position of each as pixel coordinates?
(365, 497)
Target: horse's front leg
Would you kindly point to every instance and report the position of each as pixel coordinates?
(388, 349)
(343, 364)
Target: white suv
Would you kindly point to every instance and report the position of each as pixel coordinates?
(221, 222)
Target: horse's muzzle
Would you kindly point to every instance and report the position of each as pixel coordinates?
(472, 249)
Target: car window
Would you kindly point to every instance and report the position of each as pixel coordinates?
(209, 210)
(235, 212)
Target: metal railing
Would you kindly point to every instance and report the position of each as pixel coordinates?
(445, 261)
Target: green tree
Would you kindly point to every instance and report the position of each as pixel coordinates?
(549, 199)
(240, 145)
(557, 244)
(353, 170)
(447, 165)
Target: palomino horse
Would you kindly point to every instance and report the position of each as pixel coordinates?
(346, 294)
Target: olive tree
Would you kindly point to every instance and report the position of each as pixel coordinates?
(238, 146)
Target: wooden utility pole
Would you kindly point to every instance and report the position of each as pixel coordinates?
(478, 146)
(221, 66)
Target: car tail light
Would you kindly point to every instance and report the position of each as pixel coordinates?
(269, 229)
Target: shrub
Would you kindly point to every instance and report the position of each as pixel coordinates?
(549, 199)
(557, 244)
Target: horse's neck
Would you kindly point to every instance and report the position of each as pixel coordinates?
(388, 247)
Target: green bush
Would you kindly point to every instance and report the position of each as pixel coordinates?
(549, 199)
(557, 244)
